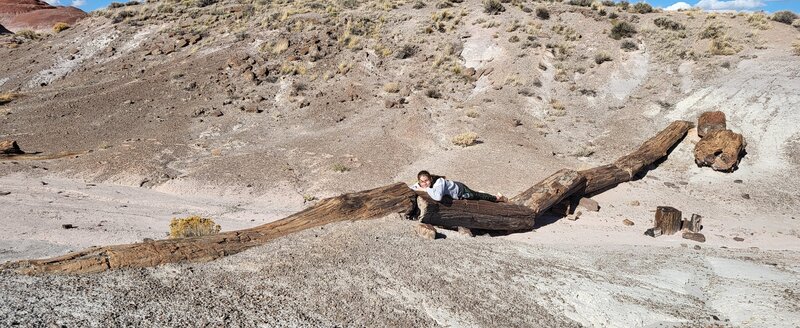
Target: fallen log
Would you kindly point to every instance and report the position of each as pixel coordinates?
(474, 214)
(668, 219)
(369, 204)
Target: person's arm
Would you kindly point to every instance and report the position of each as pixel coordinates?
(437, 191)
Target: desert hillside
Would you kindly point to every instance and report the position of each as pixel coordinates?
(247, 111)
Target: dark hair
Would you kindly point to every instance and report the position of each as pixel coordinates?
(430, 176)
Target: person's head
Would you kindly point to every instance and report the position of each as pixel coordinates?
(425, 179)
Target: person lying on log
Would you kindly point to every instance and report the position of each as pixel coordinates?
(438, 187)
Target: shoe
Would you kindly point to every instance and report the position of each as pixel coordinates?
(501, 198)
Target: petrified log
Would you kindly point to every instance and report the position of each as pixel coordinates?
(720, 149)
(710, 121)
(551, 190)
(474, 214)
(369, 204)
(426, 231)
(693, 224)
(653, 149)
(9, 147)
(668, 219)
(698, 237)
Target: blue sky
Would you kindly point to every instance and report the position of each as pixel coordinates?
(749, 5)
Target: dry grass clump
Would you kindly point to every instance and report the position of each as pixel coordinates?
(622, 29)
(759, 21)
(339, 168)
(60, 26)
(582, 3)
(465, 139)
(723, 46)
(784, 16)
(391, 87)
(712, 31)
(796, 48)
(28, 34)
(493, 7)
(193, 226)
(8, 97)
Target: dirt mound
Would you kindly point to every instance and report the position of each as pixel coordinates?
(35, 15)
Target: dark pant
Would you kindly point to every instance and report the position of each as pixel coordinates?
(470, 194)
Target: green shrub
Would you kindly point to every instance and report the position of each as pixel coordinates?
(493, 7)
(582, 3)
(601, 57)
(642, 8)
(192, 226)
(622, 30)
(542, 13)
(668, 24)
(341, 168)
(628, 45)
(784, 16)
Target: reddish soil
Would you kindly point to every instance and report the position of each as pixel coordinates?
(35, 15)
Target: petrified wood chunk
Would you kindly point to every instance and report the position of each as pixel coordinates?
(720, 149)
(9, 147)
(710, 121)
(668, 219)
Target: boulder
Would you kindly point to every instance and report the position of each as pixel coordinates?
(426, 231)
(720, 149)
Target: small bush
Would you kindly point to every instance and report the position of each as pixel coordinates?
(60, 26)
(193, 226)
(582, 3)
(493, 7)
(391, 87)
(433, 93)
(418, 5)
(601, 57)
(340, 168)
(613, 16)
(472, 114)
(759, 21)
(542, 13)
(723, 46)
(624, 5)
(115, 5)
(513, 39)
(784, 16)
(28, 34)
(465, 139)
(204, 3)
(642, 8)
(406, 51)
(712, 31)
(668, 24)
(622, 30)
(796, 48)
(628, 45)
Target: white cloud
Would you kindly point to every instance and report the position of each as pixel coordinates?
(53, 2)
(729, 5)
(679, 6)
(78, 3)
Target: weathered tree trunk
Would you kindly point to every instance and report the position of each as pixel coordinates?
(474, 214)
(551, 190)
(668, 219)
(693, 224)
(369, 204)
(654, 148)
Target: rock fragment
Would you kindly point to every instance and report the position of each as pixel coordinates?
(710, 121)
(698, 237)
(426, 231)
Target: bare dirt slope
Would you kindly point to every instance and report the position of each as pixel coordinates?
(246, 111)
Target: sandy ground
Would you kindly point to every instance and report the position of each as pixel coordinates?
(377, 273)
